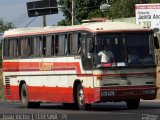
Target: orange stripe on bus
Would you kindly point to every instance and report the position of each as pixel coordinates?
(41, 66)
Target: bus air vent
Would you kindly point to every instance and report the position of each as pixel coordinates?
(7, 81)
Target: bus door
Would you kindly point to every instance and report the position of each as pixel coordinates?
(87, 58)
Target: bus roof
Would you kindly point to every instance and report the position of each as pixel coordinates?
(93, 27)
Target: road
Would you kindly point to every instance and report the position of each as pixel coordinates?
(148, 110)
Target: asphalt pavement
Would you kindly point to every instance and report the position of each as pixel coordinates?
(148, 110)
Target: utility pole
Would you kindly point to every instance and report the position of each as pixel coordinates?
(73, 11)
(44, 20)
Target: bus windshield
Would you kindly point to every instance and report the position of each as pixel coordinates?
(122, 50)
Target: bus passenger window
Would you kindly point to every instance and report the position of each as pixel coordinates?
(79, 44)
(61, 44)
(74, 44)
(56, 44)
(13, 48)
(36, 43)
(24, 47)
(5, 48)
(44, 46)
(69, 43)
(47, 45)
(52, 45)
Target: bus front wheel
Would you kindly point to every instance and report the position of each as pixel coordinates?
(80, 100)
(133, 104)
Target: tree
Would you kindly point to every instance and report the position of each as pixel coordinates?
(86, 9)
(126, 8)
(5, 25)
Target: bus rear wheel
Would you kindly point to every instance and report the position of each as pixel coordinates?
(133, 103)
(24, 98)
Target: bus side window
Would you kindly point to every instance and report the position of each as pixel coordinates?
(5, 48)
(44, 45)
(61, 44)
(36, 43)
(13, 48)
(47, 45)
(24, 48)
(53, 45)
(56, 44)
(69, 43)
(73, 44)
(66, 44)
(79, 43)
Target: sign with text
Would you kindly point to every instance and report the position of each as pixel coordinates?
(42, 7)
(148, 15)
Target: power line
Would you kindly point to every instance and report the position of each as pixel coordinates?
(30, 22)
(19, 18)
(21, 21)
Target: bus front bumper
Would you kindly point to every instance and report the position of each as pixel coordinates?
(125, 93)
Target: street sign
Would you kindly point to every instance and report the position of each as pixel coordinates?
(148, 15)
(41, 8)
(105, 7)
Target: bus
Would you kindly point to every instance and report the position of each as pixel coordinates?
(61, 64)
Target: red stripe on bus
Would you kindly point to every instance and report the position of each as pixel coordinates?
(41, 66)
(92, 95)
(50, 94)
(61, 66)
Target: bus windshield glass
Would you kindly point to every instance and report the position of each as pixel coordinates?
(122, 50)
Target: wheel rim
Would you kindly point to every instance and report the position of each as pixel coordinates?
(81, 97)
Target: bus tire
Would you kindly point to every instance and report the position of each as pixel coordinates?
(133, 103)
(24, 98)
(80, 100)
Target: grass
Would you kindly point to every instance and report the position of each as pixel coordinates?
(1, 89)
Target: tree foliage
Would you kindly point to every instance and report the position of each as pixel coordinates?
(5, 25)
(86, 9)
(126, 8)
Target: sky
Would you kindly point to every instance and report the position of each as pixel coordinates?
(15, 11)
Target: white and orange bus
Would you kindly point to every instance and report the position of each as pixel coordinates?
(61, 64)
